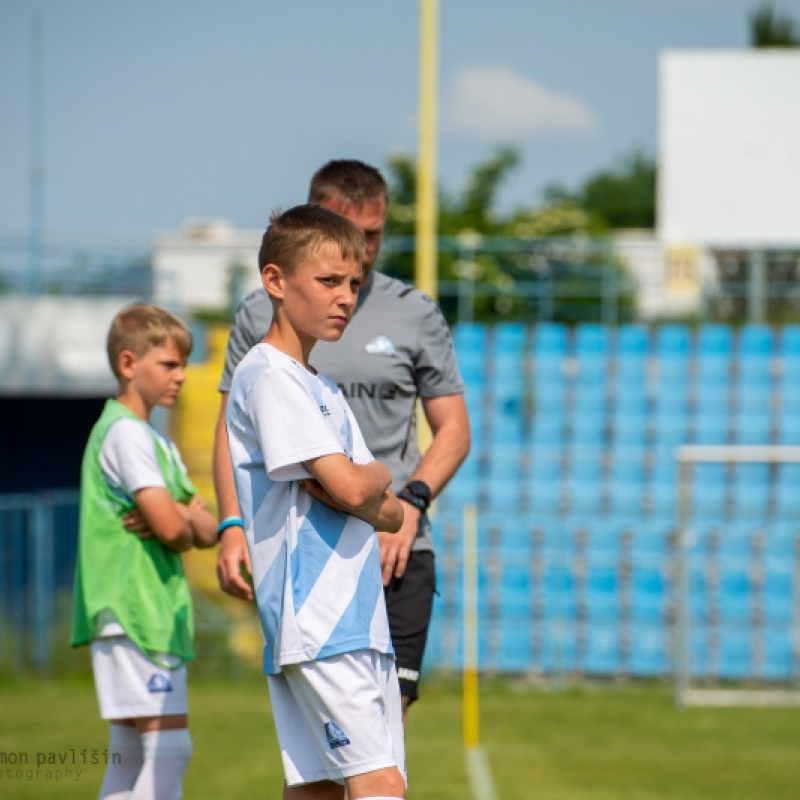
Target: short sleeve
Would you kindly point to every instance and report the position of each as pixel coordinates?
(252, 320)
(436, 370)
(128, 457)
(290, 424)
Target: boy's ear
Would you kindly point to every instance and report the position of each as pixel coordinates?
(126, 363)
(272, 280)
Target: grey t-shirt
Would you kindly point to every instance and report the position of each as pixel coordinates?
(396, 347)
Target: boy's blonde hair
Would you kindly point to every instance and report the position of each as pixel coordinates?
(140, 327)
(302, 231)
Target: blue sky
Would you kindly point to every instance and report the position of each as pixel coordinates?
(156, 111)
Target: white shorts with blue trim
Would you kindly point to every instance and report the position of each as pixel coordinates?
(129, 684)
(338, 717)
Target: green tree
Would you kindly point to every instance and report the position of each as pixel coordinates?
(511, 258)
(621, 197)
(769, 29)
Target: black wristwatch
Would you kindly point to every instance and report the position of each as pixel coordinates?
(418, 494)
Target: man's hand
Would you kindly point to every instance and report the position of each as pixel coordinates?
(232, 557)
(395, 547)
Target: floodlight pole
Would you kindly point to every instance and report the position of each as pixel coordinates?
(36, 221)
(425, 272)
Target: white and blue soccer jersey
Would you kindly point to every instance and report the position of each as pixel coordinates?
(316, 570)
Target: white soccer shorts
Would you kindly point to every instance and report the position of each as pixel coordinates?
(129, 684)
(338, 717)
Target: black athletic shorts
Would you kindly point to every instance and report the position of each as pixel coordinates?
(409, 603)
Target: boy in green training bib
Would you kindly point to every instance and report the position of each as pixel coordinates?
(138, 512)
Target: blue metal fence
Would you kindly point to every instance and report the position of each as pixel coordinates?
(38, 544)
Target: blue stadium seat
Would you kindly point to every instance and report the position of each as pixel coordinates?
(507, 354)
(603, 652)
(714, 353)
(559, 647)
(735, 652)
(787, 494)
(649, 588)
(469, 337)
(516, 647)
(752, 426)
(559, 590)
(547, 430)
(588, 430)
(502, 487)
(699, 657)
(735, 589)
(543, 494)
(602, 597)
(778, 596)
(516, 586)
(669, 432)
(652, 540)
(714, 340)
(779, 656)
(472, 366)
(712, 397)
(649, 651)
(750, 491)
(591, 339)
(549, 393)
(788, 427)
(632, 347)
(463, 486)
(756, 340)
(711, 427)
(605, 537)
(550, 337)
(672, 340)
(752, 396)
(632, 339)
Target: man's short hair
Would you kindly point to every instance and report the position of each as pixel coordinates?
(302, 231)
(353, 181)
(140, 327)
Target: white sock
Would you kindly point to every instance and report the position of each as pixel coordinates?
(125, 759)
(166, 756)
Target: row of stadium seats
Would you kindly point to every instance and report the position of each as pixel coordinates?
(635, 650)
(592, 583)
(574, 474)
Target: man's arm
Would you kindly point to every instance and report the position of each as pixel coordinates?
(233, 553)
(449, 424)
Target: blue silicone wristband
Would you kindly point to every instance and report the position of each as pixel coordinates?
(229, 522)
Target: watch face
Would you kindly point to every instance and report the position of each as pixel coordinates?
(420, 489)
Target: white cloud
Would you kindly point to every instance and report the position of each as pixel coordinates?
(492, 102)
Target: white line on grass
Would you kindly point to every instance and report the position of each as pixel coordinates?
(480, 775)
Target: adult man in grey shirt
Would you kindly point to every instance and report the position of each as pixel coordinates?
(396, 348)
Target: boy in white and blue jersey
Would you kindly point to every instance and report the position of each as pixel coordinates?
(311, 497)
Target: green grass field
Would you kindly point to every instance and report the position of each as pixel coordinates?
(592, 743)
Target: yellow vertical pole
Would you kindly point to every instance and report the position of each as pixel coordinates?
(470, 625)
(426, 228)
(425, 265)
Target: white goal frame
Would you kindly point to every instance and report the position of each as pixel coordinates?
(685, 694)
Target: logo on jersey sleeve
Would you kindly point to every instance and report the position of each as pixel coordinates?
(158, 683)
(381, 346)
(335, 735)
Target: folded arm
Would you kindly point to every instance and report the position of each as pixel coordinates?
(358, 489)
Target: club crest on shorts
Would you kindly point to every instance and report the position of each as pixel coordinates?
(380, 346)
(159, 683)
(335, 735)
